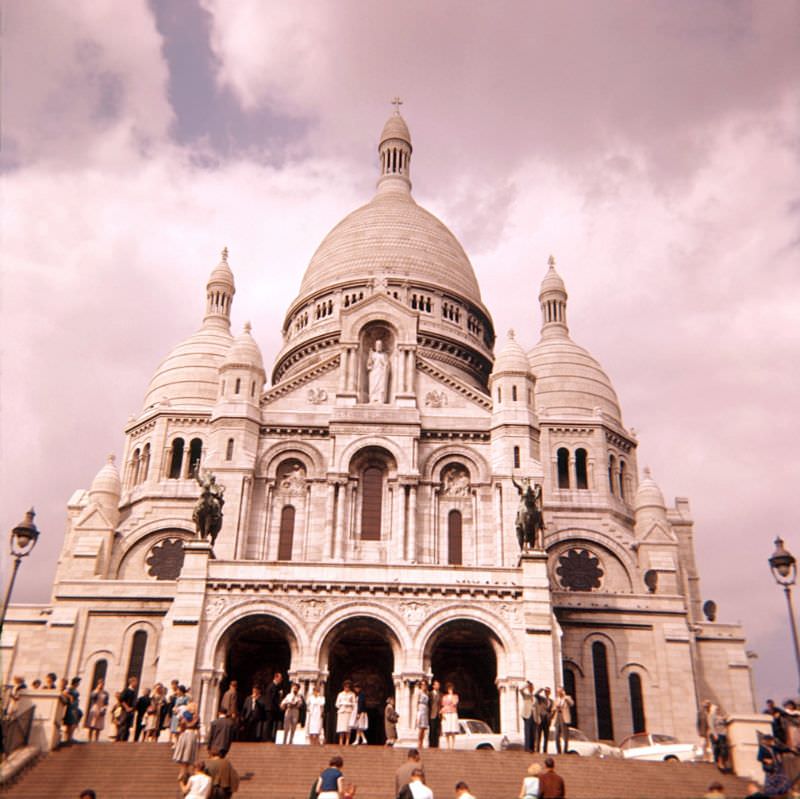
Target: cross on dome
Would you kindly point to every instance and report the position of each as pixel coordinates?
(397, 102)
(225, 255)
(551, 261)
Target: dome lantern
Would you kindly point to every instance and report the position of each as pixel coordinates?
(553, 302)
(394, 150)
(219, 294)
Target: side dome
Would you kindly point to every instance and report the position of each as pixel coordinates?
(569, 380)
(244, 351)
(511, 357)
(391, 237)
(106, 486)
(648, 494)
(189, 375)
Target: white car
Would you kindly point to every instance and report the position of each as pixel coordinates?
(581, 744)
(653, 746)
(476, 734)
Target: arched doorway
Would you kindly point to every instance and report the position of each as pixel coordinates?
(463, 652)
(256, 647)
(360, 650)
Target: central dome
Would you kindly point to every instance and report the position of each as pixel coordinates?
(391, 236)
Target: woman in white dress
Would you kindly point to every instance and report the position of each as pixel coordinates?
(316, 712)
(449, 710)
(198, 786)
(345, 707)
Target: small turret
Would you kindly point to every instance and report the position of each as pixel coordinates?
(553, 302)
(394, 149)
(219, 294)
(106, 490)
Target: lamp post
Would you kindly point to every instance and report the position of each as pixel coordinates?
(23, 540)
(784, 570)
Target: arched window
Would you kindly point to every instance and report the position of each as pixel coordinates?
(569, 688)
(581, 478)
(612, 463)
(135, 462)
(195, 454)
(253, 388)
(563, 467)
(499, 395)
(516, 457)
(145, 468)
(602, 692)
(238, 386)
(514, 393)
(229, 450)
(176, 460)
(371, 502)
(136, 660)
(622, 479)
(454, 527)
(286, 536)
(637, 702)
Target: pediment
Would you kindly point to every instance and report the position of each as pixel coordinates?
(313, 389)
(380, 307)
(658, 534)
(446, 385)
(93, 518)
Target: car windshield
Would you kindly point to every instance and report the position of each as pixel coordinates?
(577, 735)
(635, 741)
(664, 739)
(477, 727)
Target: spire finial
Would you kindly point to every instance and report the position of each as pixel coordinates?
(551, 261)
(511, 334)
(397, 102)
(111, 458)
(225, 255)
(247, 327)
(647, 472)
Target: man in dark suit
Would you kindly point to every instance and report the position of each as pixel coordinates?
(222, 733)
(142, 704)
(128, 701)
(545, 707)
(273, 699)
(253, 716)
(435, 723)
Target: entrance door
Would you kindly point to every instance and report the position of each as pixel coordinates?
(257, 647)
(360, 650)
(462, 652)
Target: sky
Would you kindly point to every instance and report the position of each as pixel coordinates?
(651, 147)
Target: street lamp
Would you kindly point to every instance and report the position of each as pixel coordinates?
(23, 540)
(784, 570)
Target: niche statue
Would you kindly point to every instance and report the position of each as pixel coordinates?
(378, 373)
(530, 521)
(207, 515)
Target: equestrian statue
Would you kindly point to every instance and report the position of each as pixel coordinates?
(530, 520)
(207, 515)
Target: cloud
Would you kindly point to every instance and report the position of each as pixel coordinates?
(649, 147)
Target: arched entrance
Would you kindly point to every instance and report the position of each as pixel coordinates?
(255, 648)
(464, 652)
(361, 650)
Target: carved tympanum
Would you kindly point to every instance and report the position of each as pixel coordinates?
(579, 570)
(165, 560)
(455, 481)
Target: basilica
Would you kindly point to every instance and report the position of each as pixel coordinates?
(370, 485)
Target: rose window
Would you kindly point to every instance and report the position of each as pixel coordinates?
(165, 560)
(579, 570)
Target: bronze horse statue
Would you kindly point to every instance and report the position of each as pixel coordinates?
(207, 515)
(529, 521)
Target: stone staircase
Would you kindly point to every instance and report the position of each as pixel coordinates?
(146, 771)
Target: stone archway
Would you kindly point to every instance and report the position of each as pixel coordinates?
(464, 652)
(255, 648)
(362, 650)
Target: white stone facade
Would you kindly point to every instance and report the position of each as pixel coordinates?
(378, 537)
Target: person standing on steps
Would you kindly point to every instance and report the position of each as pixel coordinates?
(544, 706)
(403, 775)
(435, 720)
(253, 715)
(221, 733)
(128, 701)
(528, 701)
(551, 785)
(273, 699)
(345, 707)
(361, 718)
(230, 700)
(422, 720)
(416, 788)
(330, 784)
(563, 711)
(142, 705)
(316, 714)
(390, 719)
(449, 706)
(291, 705)
(98, 708)
(224, 777)
(462, 791)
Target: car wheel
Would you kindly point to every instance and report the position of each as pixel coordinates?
(572, 752)
(485, 747)
(671, 758)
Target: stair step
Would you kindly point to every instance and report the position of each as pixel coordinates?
(136, 770)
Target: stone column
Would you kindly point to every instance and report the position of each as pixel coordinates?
(329, 526)
(510, 720)
(539, 655)
(400, 523)
(341, 507)
(205, 707)
(412, 523)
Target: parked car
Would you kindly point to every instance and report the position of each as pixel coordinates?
(581, 744)
(476, 734)
(654, 746)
